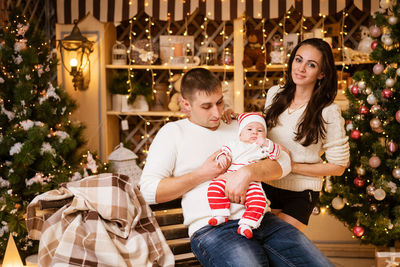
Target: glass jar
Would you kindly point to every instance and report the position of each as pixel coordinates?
(208, 55)
(227, 57)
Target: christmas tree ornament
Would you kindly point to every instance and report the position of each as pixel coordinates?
(379, 194)
(398, 72)
(373, 208)
(375, 108)
(358, 230)
(393, 20)
(396, 173)
(370, 190)
(368, 91)
(355, 134)
(374, 44)
(349, 126)
(389, 82)
(361, 84)
(358, 117)
(391, 146)
(338, 203)
(387, 93)
(371, 99)
(390, 226)
(360, 170)
(386, 39)
(355, 90)
(375, 31)
(359, 181)
(378, 68)
(374, 162)
(375, 123)
(398, 116)
(363, 110)
(316, 210)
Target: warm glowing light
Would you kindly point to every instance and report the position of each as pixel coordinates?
(12, 257)
(73, 62)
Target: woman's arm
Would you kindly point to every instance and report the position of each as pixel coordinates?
(318, 169)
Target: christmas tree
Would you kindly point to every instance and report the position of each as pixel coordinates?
(367, 196)
(39, 145)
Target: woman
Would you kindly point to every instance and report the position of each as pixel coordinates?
(302, 117)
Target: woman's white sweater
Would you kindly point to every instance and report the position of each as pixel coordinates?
(334, 145)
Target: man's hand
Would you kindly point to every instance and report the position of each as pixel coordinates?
(210, 168)
(237, 184)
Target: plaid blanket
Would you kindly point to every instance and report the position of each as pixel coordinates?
(105, 222)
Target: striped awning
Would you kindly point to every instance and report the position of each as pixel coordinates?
(120, 10)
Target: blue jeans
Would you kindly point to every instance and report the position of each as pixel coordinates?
(274, 243)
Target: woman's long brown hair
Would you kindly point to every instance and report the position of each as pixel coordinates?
(311, 126)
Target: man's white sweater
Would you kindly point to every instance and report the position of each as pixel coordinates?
(179, 148)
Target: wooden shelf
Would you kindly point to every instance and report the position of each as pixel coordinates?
(215, 68)
(147, 113)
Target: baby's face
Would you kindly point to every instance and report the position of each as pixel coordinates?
(251, 132)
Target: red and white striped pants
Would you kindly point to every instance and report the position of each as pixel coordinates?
(256, 202)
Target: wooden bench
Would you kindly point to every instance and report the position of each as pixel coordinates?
(170, 218)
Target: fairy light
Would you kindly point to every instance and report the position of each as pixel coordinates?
(263, 48)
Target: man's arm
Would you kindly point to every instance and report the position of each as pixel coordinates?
(171, 188)
(238, 182)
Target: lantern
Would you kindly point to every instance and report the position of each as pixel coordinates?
(119, 54)
(77, 49)
(123, 161)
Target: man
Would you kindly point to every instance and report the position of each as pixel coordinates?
(180, 163)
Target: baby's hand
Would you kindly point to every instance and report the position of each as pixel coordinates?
(223, 161)
(228, 115)
(262, 142)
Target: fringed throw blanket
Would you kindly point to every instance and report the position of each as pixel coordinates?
(103, 221)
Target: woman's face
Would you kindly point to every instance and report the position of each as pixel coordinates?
(306, 66)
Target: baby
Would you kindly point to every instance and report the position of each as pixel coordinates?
(251, 147)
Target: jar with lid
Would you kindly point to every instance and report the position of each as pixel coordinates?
(227, 57)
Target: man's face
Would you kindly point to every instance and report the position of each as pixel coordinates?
(206, 110)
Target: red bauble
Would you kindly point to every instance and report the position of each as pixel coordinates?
(374, 44)
(358, 181)
(355, 90)
(363, 110)
(358, 230)
(387, 93)
(398, 116)
(355, 134)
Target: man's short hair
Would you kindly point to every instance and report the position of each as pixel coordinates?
(199, 79)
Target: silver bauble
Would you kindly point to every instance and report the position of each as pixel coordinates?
(389, 82)
(349, 126)
(338, 203)
(375, 123)
(396, 173)
(388, 41)
(371, 99)
(375, 108)
(370, 190)
(379, 194)
(398, 72)
(361, 84)
(392, 20)
(368, 90)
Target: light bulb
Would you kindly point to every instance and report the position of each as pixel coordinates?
(73, 62)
